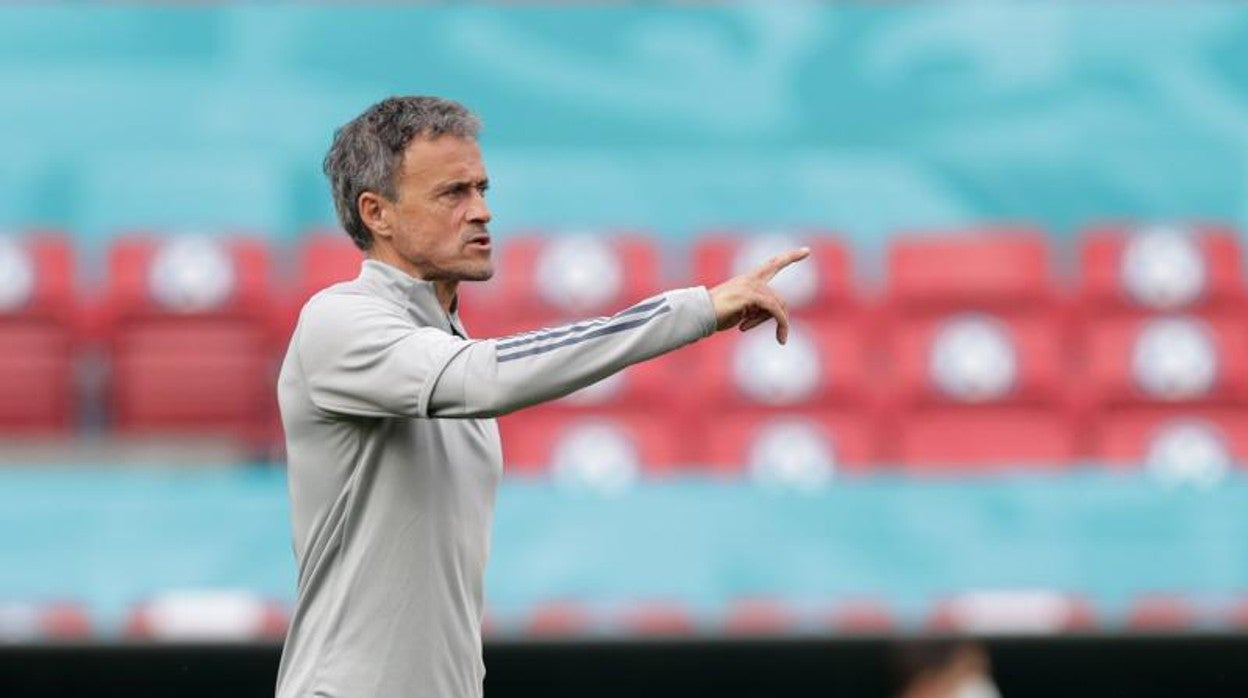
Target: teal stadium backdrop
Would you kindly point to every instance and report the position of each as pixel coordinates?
(111, 537)
(864, 119)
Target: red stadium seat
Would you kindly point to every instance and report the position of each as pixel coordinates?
(981, 406)
(195, 353)
(38, 332)
(737, 443)
(824, 364)
(1125, 365)
(818, 287)
(1129, 269)
(591, 449)
(1167, 389)
(484, 309)
(1039, 368)
(976, 339)
(1000, 270)
(325, 258)
(1132, 436)
(1164, 389)
(538, 438)
(977, 438)
(818, 391)
(820, 387)
(544, 280)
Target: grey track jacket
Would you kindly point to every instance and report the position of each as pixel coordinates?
(393, 465)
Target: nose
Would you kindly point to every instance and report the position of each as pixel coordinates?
(479, 211)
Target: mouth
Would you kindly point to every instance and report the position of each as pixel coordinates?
(479, 240)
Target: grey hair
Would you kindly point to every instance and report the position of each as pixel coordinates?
(368, 151)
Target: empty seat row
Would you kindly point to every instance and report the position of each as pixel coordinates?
(970, 355)
(1121, 270)
(541, 279)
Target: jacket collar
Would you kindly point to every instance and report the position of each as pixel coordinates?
(417, 296)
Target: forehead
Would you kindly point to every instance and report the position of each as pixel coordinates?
(430, 160)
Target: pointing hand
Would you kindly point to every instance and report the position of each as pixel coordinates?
(746, 301)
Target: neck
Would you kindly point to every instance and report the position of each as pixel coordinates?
(444, 289)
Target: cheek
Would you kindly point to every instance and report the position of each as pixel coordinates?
(424, 227)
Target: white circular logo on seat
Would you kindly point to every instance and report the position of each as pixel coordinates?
(595, 455)
(579, 273)
(797, 283)
(1163, 268)
(1189, 452)
(1175, 359)
(792, 453)
(777, 374)
(191, 273)
(973, 358)
(17, 275)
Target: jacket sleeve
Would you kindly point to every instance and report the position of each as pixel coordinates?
(493, 377)
(362, 357)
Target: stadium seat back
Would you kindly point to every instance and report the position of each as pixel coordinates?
(979, 391)
(997, 268)
(38, 333)
(796, 449)
(545, 280)
(325, 258)
(1128, 269)
(173, 278)
(209, 377)
(824, 363)
(973, 358)
(189, 329)
(819, 286)
(36, 377)
(1168, 360)
(1195, 439)
(986, 437)
(42, 262)
(596, 450)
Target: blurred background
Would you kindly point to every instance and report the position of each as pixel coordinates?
(1005, 439)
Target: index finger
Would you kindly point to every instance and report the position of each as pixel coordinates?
(773, 266)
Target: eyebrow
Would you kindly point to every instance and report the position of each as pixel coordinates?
(454, 184)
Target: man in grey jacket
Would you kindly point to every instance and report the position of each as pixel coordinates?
(388, 407)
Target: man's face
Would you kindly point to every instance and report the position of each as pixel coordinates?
(440, 215)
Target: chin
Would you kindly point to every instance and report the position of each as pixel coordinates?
(479, 274)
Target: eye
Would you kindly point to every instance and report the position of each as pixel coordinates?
(462, 190)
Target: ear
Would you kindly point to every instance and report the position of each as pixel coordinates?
(375, 212)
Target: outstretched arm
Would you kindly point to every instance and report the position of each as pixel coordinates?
(495, 377)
